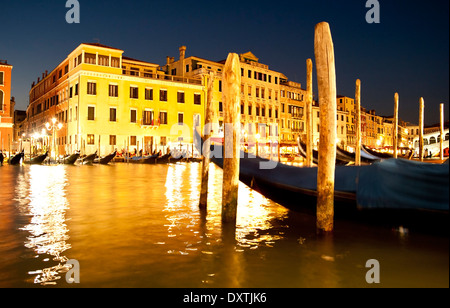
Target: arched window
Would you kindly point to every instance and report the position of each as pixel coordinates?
(446, 136)
(432, 140)
(425, 141)
(1, 100)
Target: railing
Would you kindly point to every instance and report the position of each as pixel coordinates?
(162, 77)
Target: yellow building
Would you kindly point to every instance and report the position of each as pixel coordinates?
(347, 105)
(271, 106)
(107, 101)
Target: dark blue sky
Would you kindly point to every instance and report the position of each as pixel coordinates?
(408, 52)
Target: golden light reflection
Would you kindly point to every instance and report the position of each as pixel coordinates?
(255, 213)
(48, 230)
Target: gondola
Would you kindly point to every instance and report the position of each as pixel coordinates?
(89, 159)
(149, 159)
(385, 155)
(16, 159)
(393, 191)
(377, 154)
(70, 159)
(302, 151)
(105, 160)
(38, 160)
(366, 158)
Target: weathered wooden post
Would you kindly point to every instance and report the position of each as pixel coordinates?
(326, 79)
(358, 123)
(441, 128)
(395, 140)
(206, 150)
(232, 119)
(422, 106)
(309, 120)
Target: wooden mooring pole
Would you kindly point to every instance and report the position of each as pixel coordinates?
(309, 120)
(206, 150)
(358, 123)
(231, 97)
(326, 79)
(421, 109)
(395, 133)
(441, 128)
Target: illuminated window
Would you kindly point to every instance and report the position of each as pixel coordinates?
(90, 139)
(89, 58)
(163, 141)
(133, 141)
(115, 62)
(147, 117)
(103, 60)
(112, 140)
(163, 117)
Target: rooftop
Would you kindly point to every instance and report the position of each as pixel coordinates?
(4, 62)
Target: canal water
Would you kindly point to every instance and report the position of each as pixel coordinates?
(130, 225)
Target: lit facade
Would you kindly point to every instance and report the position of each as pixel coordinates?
(107, 101)
(6, 108)
(272, 108)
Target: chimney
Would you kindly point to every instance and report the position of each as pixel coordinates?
(46, 73)
(182, 52)
(167, 60)
(172, 59)
(39, 79)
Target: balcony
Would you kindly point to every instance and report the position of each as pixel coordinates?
(162, 77)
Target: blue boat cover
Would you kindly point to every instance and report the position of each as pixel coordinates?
(404, 184)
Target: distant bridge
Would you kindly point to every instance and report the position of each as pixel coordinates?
(431, 142)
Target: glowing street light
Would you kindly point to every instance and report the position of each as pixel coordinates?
(54, 126)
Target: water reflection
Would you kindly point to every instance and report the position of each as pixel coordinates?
(47, 205)
(140, 226)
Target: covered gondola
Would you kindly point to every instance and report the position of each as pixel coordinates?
(393, 191)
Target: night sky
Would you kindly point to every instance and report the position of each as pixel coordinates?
(407, 52)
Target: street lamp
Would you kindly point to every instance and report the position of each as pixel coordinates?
(54, 126)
